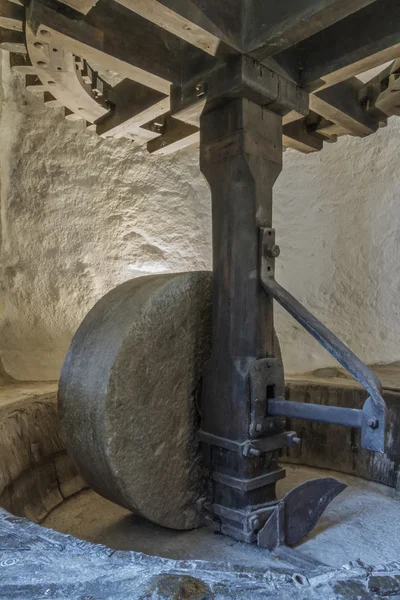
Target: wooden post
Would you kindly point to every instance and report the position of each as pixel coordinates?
(241, 157)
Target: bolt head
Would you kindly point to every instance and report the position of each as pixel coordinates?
(259, 428)
(272, 251)
(255, 523)
(373, 423)
(201, 89)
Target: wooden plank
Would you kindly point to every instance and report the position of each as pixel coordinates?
(182, 18)
(12, 16)
(272, 28)
(362, 41)
(118, 39)
(341, 105)
(134, 106)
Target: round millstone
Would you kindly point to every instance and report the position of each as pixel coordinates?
(128, 394)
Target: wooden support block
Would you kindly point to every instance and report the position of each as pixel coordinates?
(12, 41)
(69, 115)
(51, 101)
(12, 16)
(20, 63)
(134, 106)
(175, 135)
(296, 136)
(34, 85)
(340, 104)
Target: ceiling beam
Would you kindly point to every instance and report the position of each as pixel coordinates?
(272, 27)
(366, 39)
(119, 40)
(186, 20)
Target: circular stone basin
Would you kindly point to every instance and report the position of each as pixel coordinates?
(142, 561)
(358, 524)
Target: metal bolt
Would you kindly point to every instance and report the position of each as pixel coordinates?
(201, 89)
(373, 423)
(254, 523)
(254, 452)
(259, 428)
(272, 251)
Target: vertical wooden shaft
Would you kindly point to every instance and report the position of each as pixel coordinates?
(241, 158)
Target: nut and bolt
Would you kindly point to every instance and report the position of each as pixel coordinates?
(201, 89)
(373, 423)
(272, 251)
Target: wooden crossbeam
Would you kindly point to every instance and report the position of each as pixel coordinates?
(118, 39)
(362, 41)
(184, 19)
(274, 27)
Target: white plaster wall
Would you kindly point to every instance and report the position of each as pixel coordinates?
(80, 215)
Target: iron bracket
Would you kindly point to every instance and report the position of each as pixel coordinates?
(372, 418)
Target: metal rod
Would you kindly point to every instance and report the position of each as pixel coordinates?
(349, 417)
(328, 340)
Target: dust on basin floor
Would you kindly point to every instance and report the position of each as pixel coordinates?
(361, 523)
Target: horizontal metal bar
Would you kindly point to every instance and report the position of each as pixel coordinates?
(349, 417)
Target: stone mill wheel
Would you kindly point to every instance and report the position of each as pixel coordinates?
(128, 393)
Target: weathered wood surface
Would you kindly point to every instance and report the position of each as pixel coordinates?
(362, 41)
(339, 448)
(273, 28)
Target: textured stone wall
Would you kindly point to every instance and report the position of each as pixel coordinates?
(80, 215)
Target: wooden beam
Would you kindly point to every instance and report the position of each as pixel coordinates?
(274, 27)
(116, 38)
(362, 41)
(182, 18)
(340, 104)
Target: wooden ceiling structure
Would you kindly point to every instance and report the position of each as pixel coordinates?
(166, 51)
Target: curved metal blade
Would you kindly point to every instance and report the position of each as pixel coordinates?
(298, 513)
(305, 504)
